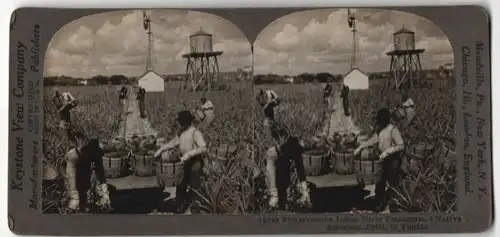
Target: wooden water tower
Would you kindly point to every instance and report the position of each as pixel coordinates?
(202, 68)
(405, 69)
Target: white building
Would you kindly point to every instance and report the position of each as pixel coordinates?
(290, 80)
(83, 82)
(356, 79)
(152, 82)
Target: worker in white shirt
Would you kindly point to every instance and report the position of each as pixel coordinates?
(268, 100)
(122, 97)
(207, 111)
(409, 108)
(327, 95)
(64, 103)
(390, 145)
(193, 147)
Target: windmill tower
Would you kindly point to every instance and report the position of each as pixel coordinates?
(149, 32)
(355, 79)
(150, 80)
(202, 67)
(405, 68)
(351, 21)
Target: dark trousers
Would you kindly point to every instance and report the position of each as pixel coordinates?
(284, 175)
(83, 186)
(345, 104)
(142, 108)
(390, 174)
(192, 178)
(269, 112)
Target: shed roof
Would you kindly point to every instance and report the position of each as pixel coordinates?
(353, 69)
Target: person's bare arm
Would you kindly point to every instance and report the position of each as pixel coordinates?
(169, 145)
(370, 142)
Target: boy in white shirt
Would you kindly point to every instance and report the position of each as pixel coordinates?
(390, 144)
(192, 147)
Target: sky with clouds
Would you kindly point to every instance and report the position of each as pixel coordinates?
(116, 43)
(309, 41)
(321, 41)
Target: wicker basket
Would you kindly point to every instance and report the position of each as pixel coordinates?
(343, 162)
(169, 174)
(316, 162)
(143, 163)
(368, 171)
(115, 165)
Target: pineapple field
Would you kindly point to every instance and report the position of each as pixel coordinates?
(429, 183)
(238, 187)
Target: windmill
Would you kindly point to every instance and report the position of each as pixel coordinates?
(147, 27)
(355, 79)
(351, 21)
(150, 80)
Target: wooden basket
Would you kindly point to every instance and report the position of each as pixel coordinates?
(115, 165)
(223, 152)
(343, 162)
(316, 162)
(169, 174)
(220, 155)
(421, 150)
(368, 171)
(143, 163)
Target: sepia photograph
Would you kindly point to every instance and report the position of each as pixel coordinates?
(148, 112)
(355, 113)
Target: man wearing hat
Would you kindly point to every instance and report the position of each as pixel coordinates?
(268, 99)
(207, 111)
(192, 147)
(65, 102)
(390, 145)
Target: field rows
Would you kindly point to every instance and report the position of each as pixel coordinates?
(232, 189)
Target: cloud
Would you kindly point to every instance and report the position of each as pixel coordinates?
(321, 41)
(116, 43)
